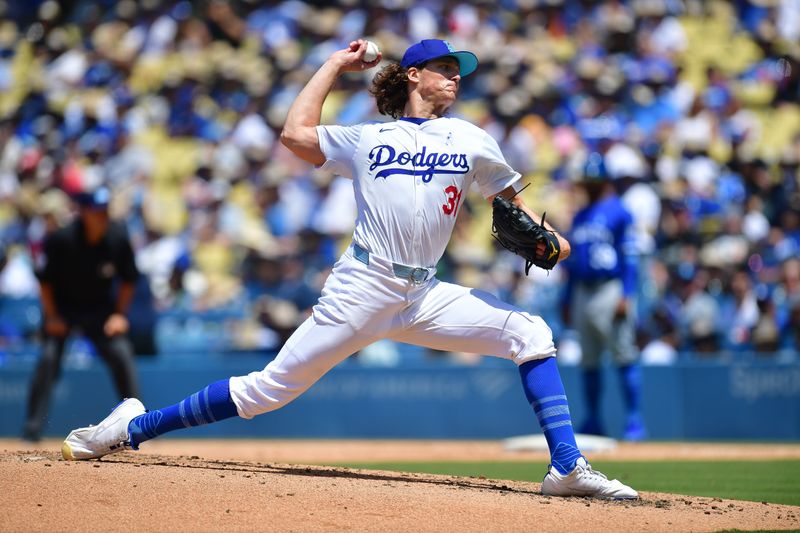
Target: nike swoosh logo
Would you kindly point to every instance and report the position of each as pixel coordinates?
(384, 129)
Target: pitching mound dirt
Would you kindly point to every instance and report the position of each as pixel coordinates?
(149, 492)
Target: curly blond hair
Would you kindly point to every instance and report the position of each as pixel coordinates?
(390, 89)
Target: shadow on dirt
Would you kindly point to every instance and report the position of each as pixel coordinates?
(470, 483)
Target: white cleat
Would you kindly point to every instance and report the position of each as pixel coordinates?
(583, 481)
(109, 436)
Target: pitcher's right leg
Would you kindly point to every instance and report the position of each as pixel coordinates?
(354, 299)
(308, 354)
(311, 351)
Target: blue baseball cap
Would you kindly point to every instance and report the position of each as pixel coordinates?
(96, 199)
(428, 49)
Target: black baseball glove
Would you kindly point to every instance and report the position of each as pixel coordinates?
(519, 233)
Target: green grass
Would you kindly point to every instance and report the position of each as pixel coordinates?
(767, 481)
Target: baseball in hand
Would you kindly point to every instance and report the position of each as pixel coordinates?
(371, 53)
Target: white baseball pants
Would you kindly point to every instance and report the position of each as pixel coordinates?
(363, 303)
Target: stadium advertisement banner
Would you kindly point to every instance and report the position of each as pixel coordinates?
(758, 400)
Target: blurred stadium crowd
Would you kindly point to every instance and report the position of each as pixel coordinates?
(177, 106)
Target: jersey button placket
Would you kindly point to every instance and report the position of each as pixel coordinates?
(417, 191)
(417, 178)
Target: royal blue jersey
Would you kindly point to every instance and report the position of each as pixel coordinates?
(603, 245)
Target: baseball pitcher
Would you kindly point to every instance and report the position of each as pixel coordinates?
(409, 177)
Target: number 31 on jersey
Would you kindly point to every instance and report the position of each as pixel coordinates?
(453, 200)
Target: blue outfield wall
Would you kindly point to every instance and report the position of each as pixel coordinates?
(754, 401)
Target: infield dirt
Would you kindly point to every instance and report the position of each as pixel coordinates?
(201, 485)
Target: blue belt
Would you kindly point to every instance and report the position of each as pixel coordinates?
(416, 275)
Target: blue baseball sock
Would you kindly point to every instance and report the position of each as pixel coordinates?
(545, 393)
(211, 404)
(631, 377)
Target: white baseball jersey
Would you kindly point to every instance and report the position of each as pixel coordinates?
(409, 181)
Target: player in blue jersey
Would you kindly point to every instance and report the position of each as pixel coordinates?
(600, 295)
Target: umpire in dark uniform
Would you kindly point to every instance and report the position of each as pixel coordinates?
(87, 276)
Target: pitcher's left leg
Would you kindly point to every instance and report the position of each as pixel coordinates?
(455, 318)
(451, 317)
(459, 319)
